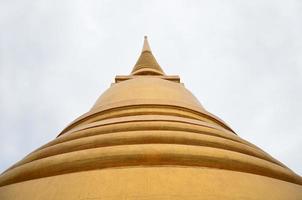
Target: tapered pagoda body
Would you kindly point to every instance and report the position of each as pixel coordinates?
(148, 137)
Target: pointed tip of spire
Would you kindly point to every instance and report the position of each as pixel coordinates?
(146, 63)
(146, 46)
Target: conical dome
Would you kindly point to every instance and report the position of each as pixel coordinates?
(148, 137)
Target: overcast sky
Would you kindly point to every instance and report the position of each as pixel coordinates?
(241, 59)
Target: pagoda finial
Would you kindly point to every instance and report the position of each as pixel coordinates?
(146, 63)
(146, 46)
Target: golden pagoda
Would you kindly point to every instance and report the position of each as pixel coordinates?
(148, 137)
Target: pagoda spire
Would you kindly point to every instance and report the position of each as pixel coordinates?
(146, 46)
(146, 63)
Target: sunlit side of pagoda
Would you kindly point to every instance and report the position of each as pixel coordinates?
(148, 137)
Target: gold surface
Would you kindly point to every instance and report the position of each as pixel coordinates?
(146, 63)
(148, 137)
(149, 183)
